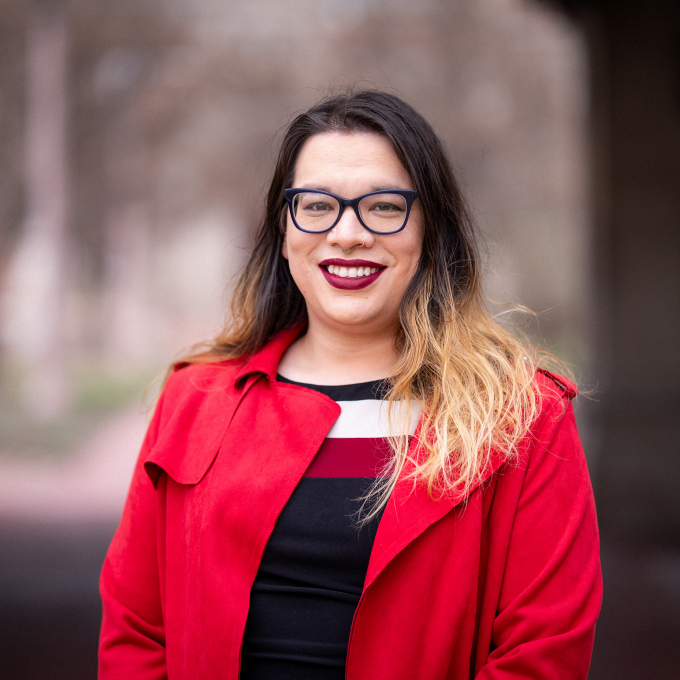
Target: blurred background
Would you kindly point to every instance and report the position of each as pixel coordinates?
(136, 140)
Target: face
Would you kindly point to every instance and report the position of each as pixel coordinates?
(380, 266)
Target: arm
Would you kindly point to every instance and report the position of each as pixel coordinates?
(132, 640)
(551, 585)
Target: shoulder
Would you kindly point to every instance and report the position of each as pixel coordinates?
(554, 427)
(548, 381)
(191, 386)
(549, 461)
(554, 395)
(203, 376)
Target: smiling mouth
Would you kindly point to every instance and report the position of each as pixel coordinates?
(351, 272)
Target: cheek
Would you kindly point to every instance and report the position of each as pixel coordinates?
(293, 247)
(413, 250)
(297, 249)
(417, 245)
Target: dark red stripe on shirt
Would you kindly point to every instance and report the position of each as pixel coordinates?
(342, 457)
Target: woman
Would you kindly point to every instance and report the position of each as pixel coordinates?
(364, 476)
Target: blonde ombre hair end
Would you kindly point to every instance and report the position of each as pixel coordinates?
(474, 379)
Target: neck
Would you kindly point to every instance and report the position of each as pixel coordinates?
(325, 356)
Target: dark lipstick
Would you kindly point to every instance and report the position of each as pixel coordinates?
(345, 282)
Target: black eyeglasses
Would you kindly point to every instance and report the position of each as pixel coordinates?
(381, 212)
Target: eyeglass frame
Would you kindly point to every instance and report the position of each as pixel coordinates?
(407, 194)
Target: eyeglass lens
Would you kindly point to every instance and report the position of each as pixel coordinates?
(381, 213)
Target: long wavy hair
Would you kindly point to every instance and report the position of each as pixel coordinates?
(473, 378)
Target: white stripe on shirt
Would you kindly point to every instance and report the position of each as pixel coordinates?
(368, 418)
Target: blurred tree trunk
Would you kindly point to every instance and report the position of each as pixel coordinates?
(39, 267)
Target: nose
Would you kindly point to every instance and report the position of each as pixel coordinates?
(349, 232)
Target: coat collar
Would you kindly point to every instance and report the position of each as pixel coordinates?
(267, 360)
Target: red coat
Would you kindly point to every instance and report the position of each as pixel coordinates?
(502, 584)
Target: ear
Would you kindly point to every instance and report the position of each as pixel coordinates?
(284, 247)
(283, 228)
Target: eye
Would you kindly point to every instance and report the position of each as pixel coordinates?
(318, 206)
(386, 207)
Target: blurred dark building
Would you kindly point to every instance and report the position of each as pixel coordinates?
(635, 72)
(635, 140)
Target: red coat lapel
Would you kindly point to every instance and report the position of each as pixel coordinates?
(409, 512)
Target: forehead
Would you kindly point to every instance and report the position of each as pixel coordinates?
(356, 161)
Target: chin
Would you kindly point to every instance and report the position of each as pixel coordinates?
(351, 317)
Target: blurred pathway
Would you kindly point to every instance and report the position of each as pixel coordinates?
(56, 521)
(87, 486)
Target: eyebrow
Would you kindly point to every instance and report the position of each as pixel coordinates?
(377, 187)
(316, 187)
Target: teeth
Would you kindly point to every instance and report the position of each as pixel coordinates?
(351, 272)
